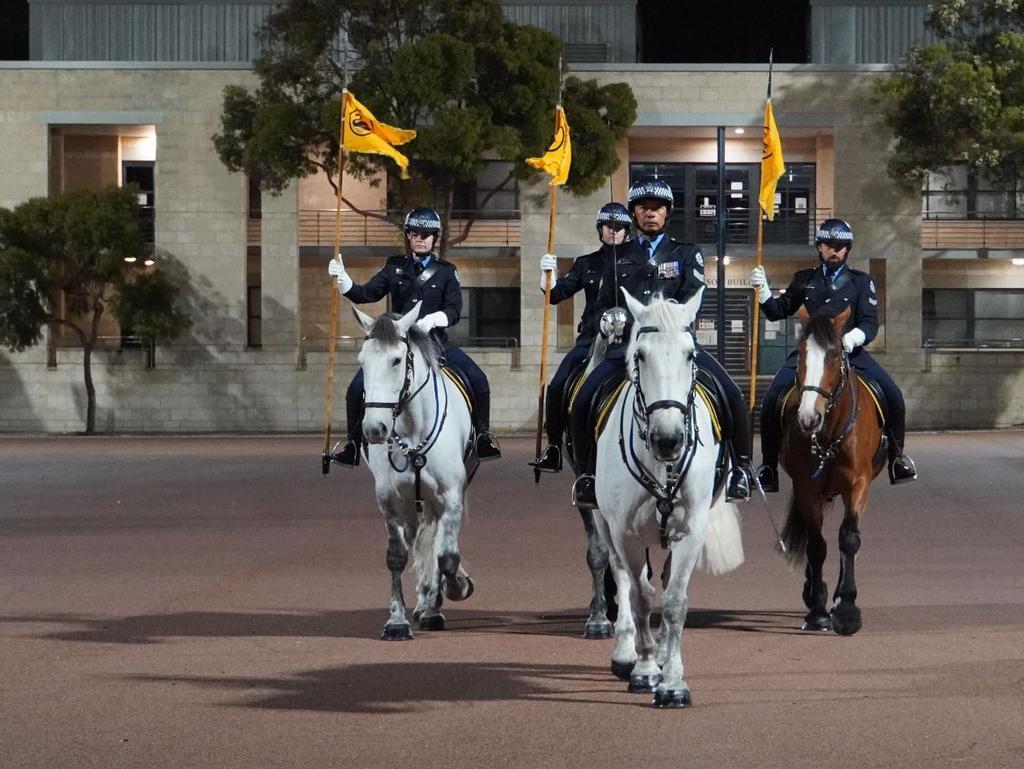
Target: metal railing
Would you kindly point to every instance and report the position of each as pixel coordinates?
(115, 343)
(316, 228)
(973, 344)
(971, 230)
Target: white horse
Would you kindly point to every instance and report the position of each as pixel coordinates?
(417, 428)
(655, 485)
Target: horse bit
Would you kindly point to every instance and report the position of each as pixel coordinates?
(825, 454)
(675, 472)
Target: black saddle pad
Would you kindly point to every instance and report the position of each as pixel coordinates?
(717, 400)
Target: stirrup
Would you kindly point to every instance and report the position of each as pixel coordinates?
(768, 477)
(738, 485)
(584, 493)
(902, 469)
(348, 456)
(487, 446)
(550, 461)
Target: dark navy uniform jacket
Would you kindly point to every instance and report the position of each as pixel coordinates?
(400, 281)
(676, 271)
(585, 275)
(812, 290)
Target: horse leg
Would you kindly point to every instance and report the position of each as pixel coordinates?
(815, 590)
(597, 625)
(624, 654)
(397, 627)
(845, 613)
(455, 582)
(661, 655)
(645, 674)
(428, 606)
(673, 692)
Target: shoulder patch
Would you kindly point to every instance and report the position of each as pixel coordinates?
(457, 276)
(700, 258)
(871, 286)
(872, 300)
(698, 275)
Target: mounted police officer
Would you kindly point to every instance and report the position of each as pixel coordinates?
(833, 285)
(613, 226)
(653, 263)
(419, 275)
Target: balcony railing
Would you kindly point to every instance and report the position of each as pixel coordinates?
(973, 344)
(316, 228)
(978, 230)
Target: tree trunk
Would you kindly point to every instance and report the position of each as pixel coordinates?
(90, 391)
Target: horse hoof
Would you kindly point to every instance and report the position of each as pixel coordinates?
(846, 621)
(622, 669)
(817, 622)
(458, 588)
(641, 683)
(397, 633)
(595, 630)
(433, 622)
(677, 698)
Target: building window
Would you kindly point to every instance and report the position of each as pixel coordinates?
(141, 174)
(486, 194)
(254, 316)
(958, 192)
(490, 318)
(695, 189)
(972, 316)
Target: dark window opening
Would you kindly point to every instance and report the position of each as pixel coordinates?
(972, 316)
(142, 175)
(490, 318)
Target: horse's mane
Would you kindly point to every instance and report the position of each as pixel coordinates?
(823, 331)
(385, 331)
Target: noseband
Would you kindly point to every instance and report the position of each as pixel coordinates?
(832, 396)
(643, 410)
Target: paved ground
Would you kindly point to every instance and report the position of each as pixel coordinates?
(214, 602)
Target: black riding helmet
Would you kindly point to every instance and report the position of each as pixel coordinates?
(614, 214)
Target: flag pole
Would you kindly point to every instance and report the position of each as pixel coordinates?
(758, 258)
(546, 315)
(335, 296)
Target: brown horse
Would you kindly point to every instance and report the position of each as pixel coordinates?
(831, 447)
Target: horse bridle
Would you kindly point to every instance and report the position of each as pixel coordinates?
(675, 472)
(825, 454)
(398, 406)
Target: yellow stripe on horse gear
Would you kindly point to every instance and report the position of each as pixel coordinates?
(871, 392)
(606, 410)
(716, 426)
(576, 390)
(459, 387)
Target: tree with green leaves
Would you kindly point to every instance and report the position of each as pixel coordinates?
(63, 263)
(961, 101)
(474, 85)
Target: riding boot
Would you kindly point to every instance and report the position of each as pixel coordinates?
(486, 444)
(349, 454)
(740, 474)
(584, 489)
(551, 461)
(901, 467)
(768, 472)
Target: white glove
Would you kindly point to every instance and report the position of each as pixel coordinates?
(337, 269)
(548, 263)
(852, 339)
(434, 320)
(760, 281)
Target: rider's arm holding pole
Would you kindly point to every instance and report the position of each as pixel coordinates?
(784, 305)
(375, 289)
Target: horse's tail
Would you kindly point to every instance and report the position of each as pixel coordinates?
(723, 547)
(424, 558)
(793, 540)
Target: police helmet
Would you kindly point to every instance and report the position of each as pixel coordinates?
(613, 214)
(834, 231)
(423, 219)
(650, 187)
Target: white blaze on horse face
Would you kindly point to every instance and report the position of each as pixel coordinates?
(814, 369)
(665, 375)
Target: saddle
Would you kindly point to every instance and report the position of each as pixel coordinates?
(454, 373)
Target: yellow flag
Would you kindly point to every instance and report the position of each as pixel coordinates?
(556, 161)
(772, 163)
(364, 133)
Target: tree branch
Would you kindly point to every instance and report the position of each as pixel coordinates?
(475, 214)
